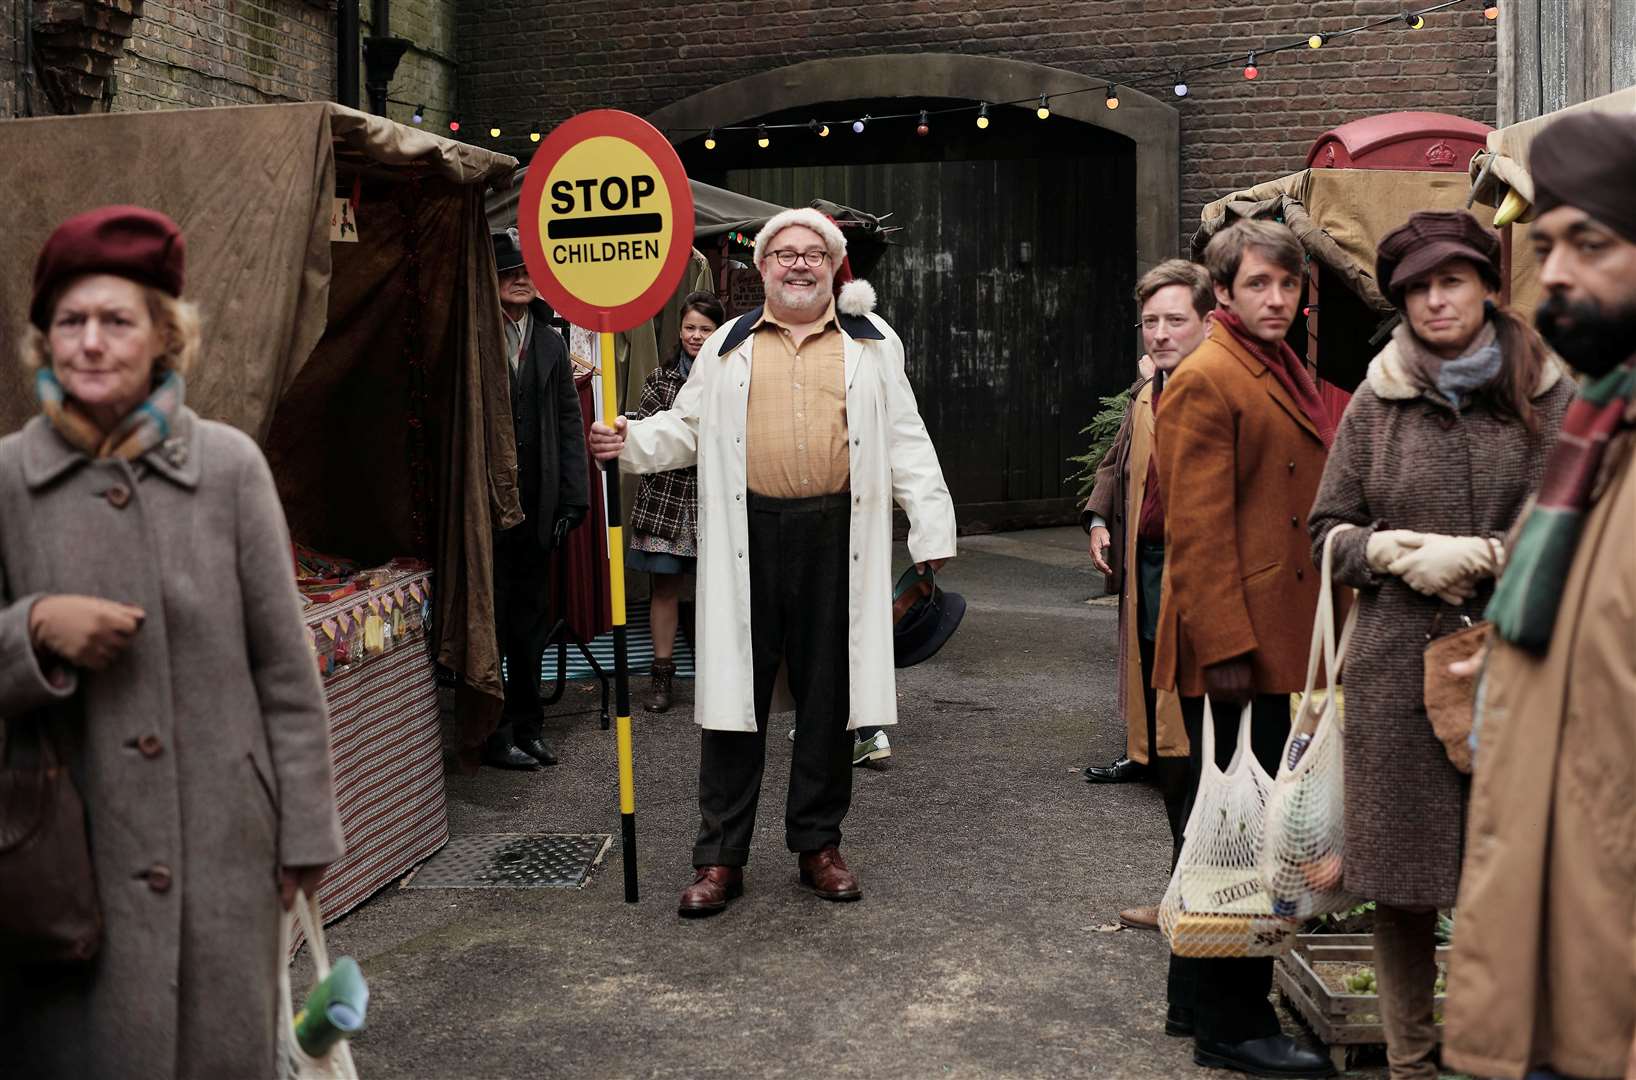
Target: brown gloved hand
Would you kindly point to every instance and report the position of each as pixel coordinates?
(1231, 682)
(87, 631)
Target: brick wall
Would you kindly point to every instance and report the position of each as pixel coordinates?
(189, 53)
(524, 62)
(226, 52)
(10, 48)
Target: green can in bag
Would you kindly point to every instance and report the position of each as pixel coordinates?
(334, 1009)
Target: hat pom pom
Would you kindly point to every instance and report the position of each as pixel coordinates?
(857, 297)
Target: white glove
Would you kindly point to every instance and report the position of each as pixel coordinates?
(1386, 546)
(1447, 567)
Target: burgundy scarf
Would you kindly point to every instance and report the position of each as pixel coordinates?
(1290, 372)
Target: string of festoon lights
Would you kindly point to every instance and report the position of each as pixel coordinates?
(983, 113)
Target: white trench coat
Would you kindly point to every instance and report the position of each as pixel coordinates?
(891, 458)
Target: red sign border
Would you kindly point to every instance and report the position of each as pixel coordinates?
(647, 138)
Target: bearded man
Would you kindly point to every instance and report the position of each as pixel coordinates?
(804, 429)
(1544, 969)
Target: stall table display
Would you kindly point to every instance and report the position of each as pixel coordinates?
(369, 637)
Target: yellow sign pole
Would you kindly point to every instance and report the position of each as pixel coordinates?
(616, 590)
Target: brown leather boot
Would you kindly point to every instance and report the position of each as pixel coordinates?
(663, 670)
(825, 873)
(712, 888)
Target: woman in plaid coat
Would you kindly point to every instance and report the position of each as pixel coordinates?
(664, 537)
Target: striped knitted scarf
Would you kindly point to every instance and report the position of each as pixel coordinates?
(1525, 601)
(144, 427)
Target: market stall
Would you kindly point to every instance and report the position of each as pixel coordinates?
(1499, 173)
(343, 270)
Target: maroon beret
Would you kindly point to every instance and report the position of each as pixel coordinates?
(129, 241)
(1429, 239)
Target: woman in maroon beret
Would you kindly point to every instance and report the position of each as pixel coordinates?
(150, 631)
(1433, 461)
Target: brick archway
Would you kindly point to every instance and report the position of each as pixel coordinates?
(1150, 124)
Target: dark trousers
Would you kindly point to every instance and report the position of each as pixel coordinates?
(1229, 997)
(1170, 774)
(798, 616)
(522, 620)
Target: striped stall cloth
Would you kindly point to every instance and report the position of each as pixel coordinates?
(386, 748)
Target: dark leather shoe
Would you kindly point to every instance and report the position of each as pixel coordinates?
(1276, 1055)
(1179, 1022)
(1123, 771)
(504, 754)
(536, 749)
(825, 873)
(713, 887)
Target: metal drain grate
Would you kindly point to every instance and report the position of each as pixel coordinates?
(512, 861)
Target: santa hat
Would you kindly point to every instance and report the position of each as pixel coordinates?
(853, 296)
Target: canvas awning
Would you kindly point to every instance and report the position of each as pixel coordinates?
(1503, 167)
(370, 371)
(1340, 216)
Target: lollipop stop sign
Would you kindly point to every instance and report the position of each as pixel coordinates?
(606, 220)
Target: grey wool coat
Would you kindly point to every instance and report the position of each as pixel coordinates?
(202, 753)
(1402, 460)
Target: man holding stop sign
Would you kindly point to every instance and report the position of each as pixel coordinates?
(798, 471)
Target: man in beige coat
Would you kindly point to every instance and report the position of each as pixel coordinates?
(1125, 519)
(1544, 969)
(804, 428)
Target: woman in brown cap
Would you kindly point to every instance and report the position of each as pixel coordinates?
(1433, 461)
(150, 631)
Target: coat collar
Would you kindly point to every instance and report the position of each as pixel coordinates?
(47, 456)
(1389, 376)
(1254, 365)
(855, 327)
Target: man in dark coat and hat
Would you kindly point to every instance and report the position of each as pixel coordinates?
(551, 485)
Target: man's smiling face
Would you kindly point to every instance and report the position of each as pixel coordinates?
(800, 292)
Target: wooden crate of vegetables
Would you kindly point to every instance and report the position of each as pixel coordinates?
(1329, 979)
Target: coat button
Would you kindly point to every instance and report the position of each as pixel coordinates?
(1300, 573)
(150, 745)
(1295, 522)
(159, 878)
(1292, 466)
(118, 496)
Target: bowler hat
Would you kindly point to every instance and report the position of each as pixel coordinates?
(923, 617)
(508, 250)
(1429, 239)
(127, 241)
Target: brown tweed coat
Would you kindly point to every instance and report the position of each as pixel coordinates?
(1404, 461)
(202, 752)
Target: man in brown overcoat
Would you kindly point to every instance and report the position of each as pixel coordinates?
(1125, 519)
(1544, 970)
(1242, 437)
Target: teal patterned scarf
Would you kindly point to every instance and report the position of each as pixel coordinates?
(144, 427)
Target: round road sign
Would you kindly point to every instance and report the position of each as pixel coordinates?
(606, 220)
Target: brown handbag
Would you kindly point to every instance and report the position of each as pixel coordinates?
(1451, 699)
(49, 911)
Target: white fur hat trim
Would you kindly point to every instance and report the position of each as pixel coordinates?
(810, 218)
(857, 297)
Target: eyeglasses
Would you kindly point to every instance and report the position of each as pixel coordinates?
(787, 257)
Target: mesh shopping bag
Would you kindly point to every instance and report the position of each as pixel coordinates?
(1305, 841)
(294, 1063)
(1217, 905)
